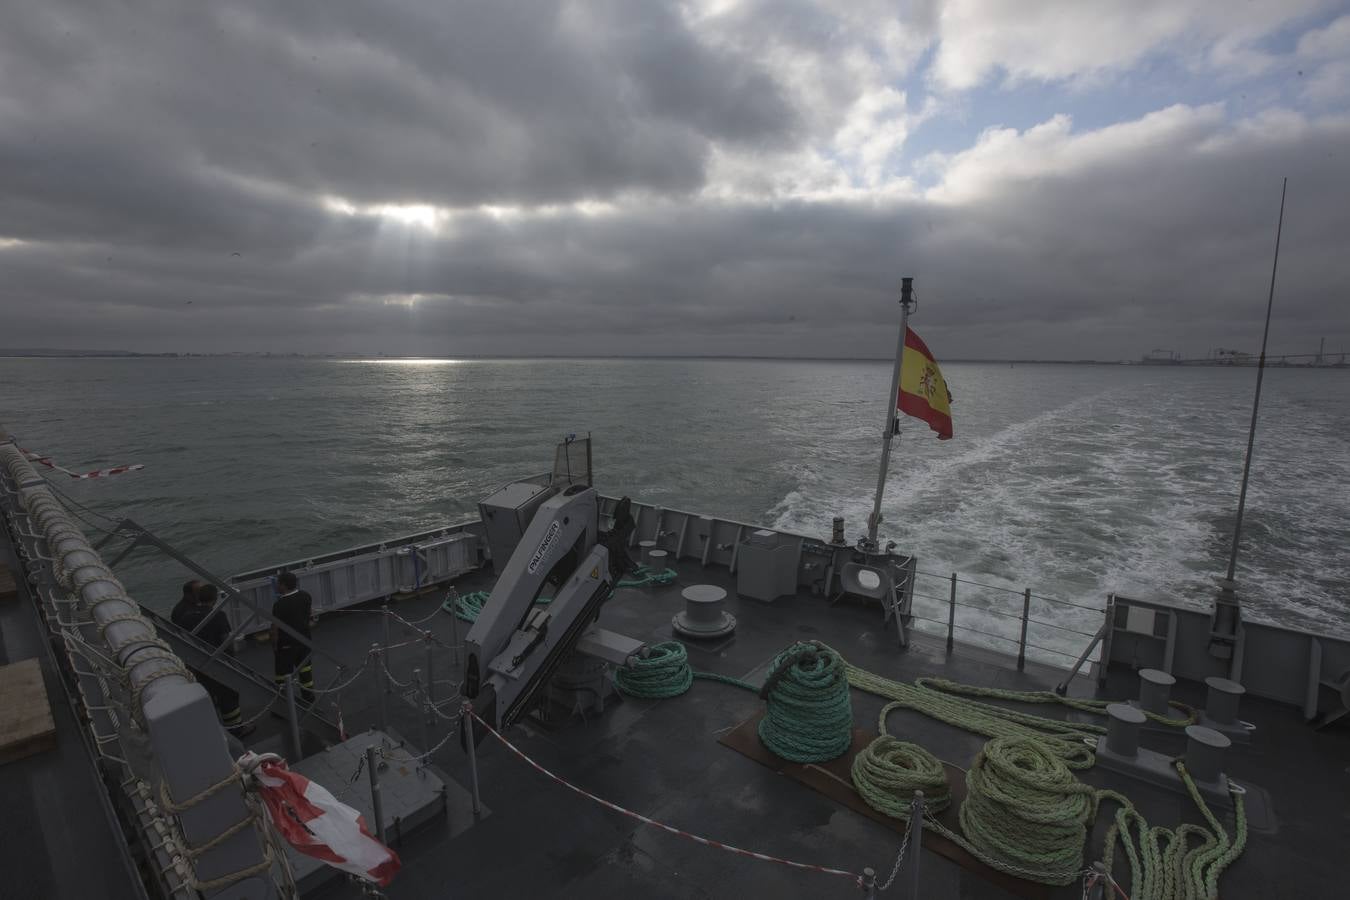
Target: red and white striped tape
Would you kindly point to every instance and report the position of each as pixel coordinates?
(825, 870)
(97, 473)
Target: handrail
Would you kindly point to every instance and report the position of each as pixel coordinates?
(1031, 626)
(140, 535)
(1008, 590)
(133, 691)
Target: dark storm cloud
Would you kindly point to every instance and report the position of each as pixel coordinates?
(164, 167)
(393, 102)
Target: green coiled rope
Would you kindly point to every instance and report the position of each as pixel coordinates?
(1024, 809)
(1025, 812)
(888, 771)
(1163, 863)
(665, 672)
(1188, 715)
(643, 576)
(808, 715)
(469, 607)
(1064, 739)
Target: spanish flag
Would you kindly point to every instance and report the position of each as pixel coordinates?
(923, 392)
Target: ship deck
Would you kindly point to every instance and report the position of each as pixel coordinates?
(663, 759)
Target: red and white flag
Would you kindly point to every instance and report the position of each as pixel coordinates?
(316, 824)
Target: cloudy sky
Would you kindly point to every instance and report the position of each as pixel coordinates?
(429, 177)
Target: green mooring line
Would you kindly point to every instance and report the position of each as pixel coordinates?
(808, 718)
(1025, 811)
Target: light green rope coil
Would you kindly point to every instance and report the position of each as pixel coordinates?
(1163, 864)
(1025, 812)
(1098, 707)
(1063, 739)
(888, 771)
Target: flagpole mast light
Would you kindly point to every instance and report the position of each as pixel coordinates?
(907, 304)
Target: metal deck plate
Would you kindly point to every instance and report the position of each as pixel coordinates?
(411, 796)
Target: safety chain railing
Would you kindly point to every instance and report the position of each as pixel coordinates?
(415, 687)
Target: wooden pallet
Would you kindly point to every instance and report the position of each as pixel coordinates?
(834, 781)
(26, 725)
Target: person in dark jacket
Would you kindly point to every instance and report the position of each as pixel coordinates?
(193, 610)
(292, 608)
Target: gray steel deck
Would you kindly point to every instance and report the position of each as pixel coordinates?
(662, 758)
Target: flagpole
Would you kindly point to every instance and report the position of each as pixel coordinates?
(892, 404)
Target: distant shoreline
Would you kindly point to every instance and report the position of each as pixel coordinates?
(127, 354)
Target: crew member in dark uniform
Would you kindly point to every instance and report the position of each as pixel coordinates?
(292, 607)
(195, 606)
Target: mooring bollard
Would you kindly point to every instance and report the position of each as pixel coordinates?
(466, 721)
(376, 806)
(1122, 729)
(293, 715)
(915, 843)
(870, 883)
(1155, 691)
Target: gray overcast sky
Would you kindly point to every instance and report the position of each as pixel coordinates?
(428, 177)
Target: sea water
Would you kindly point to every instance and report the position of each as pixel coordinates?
(1072, 480)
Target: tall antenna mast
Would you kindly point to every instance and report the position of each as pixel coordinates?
(1227, 611)
(1256, 403)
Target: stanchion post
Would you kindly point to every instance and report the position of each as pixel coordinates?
(387, 641)
(454, 624)
(376, 805)
(378, 655)
(915, 843)
(293, 717)
(1022, 642)
(466, 722)
(951, 616)
(431, 680)
(426, 724)
(870, 883)
(1100, 881)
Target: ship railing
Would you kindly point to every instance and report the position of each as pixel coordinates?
(1020, 622)
(151, 732)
